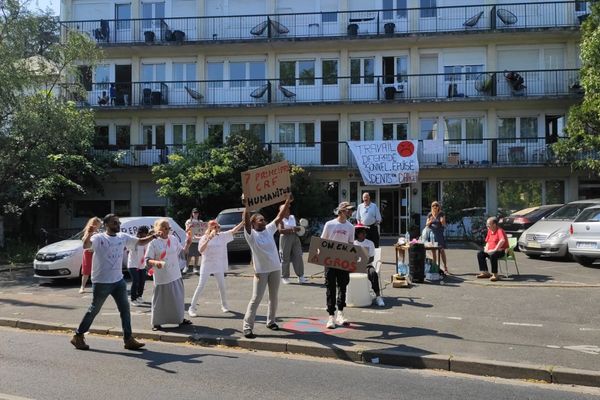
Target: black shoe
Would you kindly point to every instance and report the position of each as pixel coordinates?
(273, 326)
(248, 334)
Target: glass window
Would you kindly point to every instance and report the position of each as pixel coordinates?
(355, 130)
(258, 72)
(123, 137)
(453, 130)
(529, 129)
(428, 9)
(401, 69)
(306, 72)
(123, 15)
(330, 72)
(215, 133)
(515, 194)
(287, 73)
(507, 130)
(307, 135)
(215, 74)
(101, 137)
(362, 70)
(287, 134)
(369, 70)
(178, 134)
(474, 128)
(462, 198)
(258, 130)
(369, 133)
(430, 192)
(555, 192)
(428, 128)
(401, 9)
(473, 71)
(182, 73)
(102, 76)
(355, 71)
(452, 73)
(237, 74)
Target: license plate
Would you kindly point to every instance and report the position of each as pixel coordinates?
(586, 245)
(534, 245)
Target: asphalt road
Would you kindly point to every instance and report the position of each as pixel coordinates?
(45, 366)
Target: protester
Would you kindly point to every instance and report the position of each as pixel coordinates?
(267, 266)
(107, 278)
(368, 214)
(361, 240)
(290, 248)
(213, 247)
(92, 225)
(496, 242)
(341, 230)
(168, 306)
(136, 265)
(196, 225)
(436, 222)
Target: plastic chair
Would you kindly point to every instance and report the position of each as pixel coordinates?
(509, 255)
(377, 263)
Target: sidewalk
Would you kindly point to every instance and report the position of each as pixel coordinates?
(541, 325)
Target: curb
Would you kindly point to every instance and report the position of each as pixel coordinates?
(416, 360)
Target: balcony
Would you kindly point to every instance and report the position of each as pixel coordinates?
(478, 86)
(335, 24)
(454, 153)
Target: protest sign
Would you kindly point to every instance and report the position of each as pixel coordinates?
(266, 185)
(386, 162)
(339, 255)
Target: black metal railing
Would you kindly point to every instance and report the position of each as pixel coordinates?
(388, 22)
(369, 88)
(483, 152)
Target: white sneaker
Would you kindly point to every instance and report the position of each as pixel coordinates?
(379, 301)
(134, 303)
(341, 320)
(192, 312)
(141, 300)
(330, 323)
(197, 271)
(224, 309)
(81, 290)
(302, 279)
(285, 281)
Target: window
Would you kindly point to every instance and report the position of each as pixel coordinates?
(153, 136)
(152, 14)
(182, 73)
(244, 73)
(287, 73)
(91, 208)
(395, 69)
(507, 130)
(287, 134)
(458, 129)
(400, 9)
(512, 128)
(428, 9)
(123, 137)
(529, 129)
(153, 73)
(515, 194)
(469, 196)
(123, 15)
(395, 130)
(101, 137)
(428, 128)
(362, 70)
(581, 6)
(303, 70)
(214, 73)
(330, 72)
(183, 134)
(307, 135)
(296, 134)
(306, 72)
(258, 130)
(85, 77)
(455, 73)
(555, 192)
(329, 8)
(362, 130)
(215, 133)
(430, 192)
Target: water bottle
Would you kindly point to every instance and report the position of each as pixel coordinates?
(407, 237)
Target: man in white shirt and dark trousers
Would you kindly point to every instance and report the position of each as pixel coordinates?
(290, 248)
(368, 214)
(340, 230)
(267, 265)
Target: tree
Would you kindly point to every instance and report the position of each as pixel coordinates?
(582, 146)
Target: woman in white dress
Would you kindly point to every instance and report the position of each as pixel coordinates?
(213, 247)
(168, 306)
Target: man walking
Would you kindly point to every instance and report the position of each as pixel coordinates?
(107, 278)
(368, 214)
(340, 230)
(267, 266)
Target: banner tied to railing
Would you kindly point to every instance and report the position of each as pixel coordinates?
(386, 162)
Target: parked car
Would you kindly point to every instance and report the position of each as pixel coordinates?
(63, 259)
(584, 241)
(548, 237)
(229, 218)
(516, 223)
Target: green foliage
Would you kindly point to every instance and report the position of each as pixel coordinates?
(462, 195)
(310, 196)
(582, 146)
(17, 252)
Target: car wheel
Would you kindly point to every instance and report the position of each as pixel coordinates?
(585, 261)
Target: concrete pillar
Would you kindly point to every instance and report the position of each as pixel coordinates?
(200, 129)
(492, 195)
(271, 133)
(344, 71)
(491, 61)
(135, 130)
(572, 188)
(136, 208)
(413, 69)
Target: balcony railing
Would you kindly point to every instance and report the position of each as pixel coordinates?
(423, 87)
(476, 153)
(389, 22)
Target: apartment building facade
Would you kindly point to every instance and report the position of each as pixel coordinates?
(489, 82)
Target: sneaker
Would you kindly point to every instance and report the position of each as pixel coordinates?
(79, 342)
(141, 300)
(285, 281)
(330, 323)
(248, 334)
(302, 279)
(132, 344)
(273, 326)
(81, 290)
(379, 301)
(341, 320)
(192, 312)
(224, 309)
(197, 271)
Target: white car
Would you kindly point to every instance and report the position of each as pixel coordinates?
(63, 259)
(584, 241)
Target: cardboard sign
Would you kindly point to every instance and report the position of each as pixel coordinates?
(332, 254)
(266, 185)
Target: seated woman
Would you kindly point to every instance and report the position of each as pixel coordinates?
(103, 100)
(360, 233)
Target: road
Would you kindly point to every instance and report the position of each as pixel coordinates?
(45, 366)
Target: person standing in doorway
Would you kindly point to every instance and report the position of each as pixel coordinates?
(197, 226)
(340, 230)
(368, 214)
(267, 265)
(290, 248)
(86, 264)
(107, 278)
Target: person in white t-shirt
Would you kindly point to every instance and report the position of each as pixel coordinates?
(168, 302)
(340, 230)
(213, 247)
(136, 265)
(107, 278)
(290, 248)
(267, 265)
(198, 227)
(361, 240)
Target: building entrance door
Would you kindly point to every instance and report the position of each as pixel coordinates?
(394, 205)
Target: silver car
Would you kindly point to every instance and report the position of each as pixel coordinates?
(584, 242)
(228, 219)
(548, 236)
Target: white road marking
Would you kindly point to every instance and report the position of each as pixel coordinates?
(375, 312)
(444, 317)
(315, 308)
(589, 329)
(25, 293)
(11, 397)
(552, 346)
(522, 324)
(587, 349)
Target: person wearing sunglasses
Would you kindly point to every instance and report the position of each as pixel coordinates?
(436, 222)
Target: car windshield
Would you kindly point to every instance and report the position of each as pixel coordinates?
(232, 218)
(568, 212)
(590, 215)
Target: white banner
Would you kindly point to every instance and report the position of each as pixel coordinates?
(386, 162)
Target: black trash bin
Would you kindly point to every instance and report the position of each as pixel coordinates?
(389, 28)
(389, 92)
(416, 261)
(149, 37)
(352, 29)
